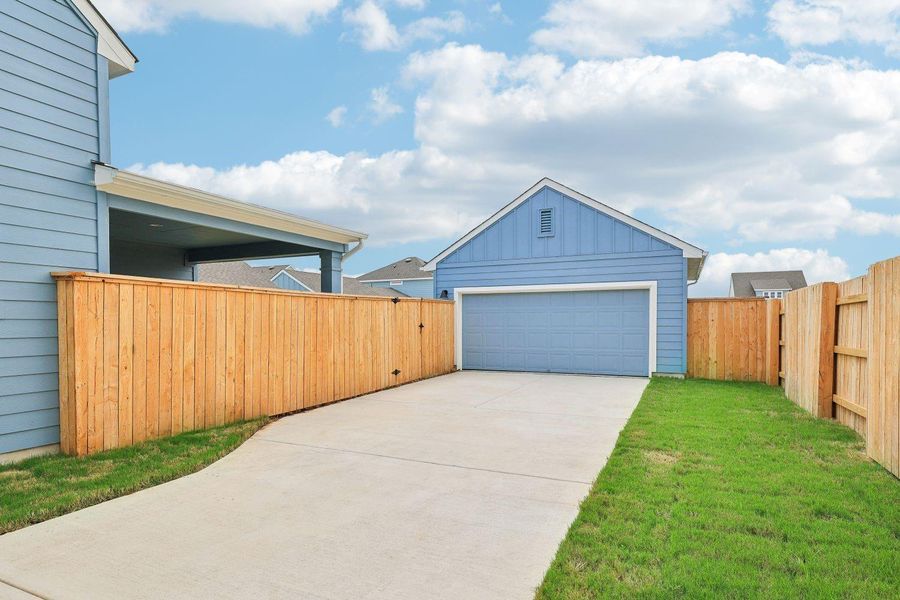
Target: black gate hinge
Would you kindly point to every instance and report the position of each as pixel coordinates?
(395, 372)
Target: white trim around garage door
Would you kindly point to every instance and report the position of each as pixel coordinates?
(650, 286)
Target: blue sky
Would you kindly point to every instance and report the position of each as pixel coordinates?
(767, 133)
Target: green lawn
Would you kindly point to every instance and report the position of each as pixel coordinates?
(728, 490)
(44, 487)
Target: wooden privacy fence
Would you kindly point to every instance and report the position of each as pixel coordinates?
(733, 339)
(146, 358)
(835, 348)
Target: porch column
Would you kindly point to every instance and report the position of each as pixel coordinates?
(332, 281)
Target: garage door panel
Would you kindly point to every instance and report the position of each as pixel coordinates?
(584, 341)
(634, 341)
(634, 364)
(635, 320)
(560, 340)
(607, 363)
(601, 332)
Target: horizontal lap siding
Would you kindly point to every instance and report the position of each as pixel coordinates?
(48, 211)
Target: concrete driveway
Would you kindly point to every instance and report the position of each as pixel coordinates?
(456, 487)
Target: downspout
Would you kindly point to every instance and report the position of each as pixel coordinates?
(353, 251)
(347, 255)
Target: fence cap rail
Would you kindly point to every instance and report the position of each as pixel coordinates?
(729, 299)
(113, 278)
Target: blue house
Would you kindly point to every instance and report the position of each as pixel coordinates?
(558, 282)
(64, 208)
(405, 276)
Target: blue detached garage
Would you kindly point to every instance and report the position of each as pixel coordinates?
(558, 282)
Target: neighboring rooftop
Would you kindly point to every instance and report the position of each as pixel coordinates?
(406, 268)
(746, 285)
(241, 273)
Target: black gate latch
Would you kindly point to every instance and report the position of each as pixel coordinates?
(421, 325)
(395, 372)
(395, 299)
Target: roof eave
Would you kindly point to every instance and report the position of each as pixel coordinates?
(110, 44)
(139, 187)
(689, 250)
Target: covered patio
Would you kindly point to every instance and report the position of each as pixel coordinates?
(160, 229)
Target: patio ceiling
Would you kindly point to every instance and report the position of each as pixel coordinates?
(207, 226)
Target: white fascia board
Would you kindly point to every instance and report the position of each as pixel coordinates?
(138, 187)
(690, 251)
(650, 286)
(109, 44)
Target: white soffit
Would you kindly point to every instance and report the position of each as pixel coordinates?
(109, 44)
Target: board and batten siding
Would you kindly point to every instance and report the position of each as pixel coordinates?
(416, 288)
(587, 247)
(51, 118)
(286, 282)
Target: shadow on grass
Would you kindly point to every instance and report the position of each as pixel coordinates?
(44, 487)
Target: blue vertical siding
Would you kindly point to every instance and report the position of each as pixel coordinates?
(50, 120)
(287, 283)
(416, 288)
(588, 246)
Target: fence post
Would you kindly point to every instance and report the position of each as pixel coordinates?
(773, 329)
(883, 364)
(827, 332)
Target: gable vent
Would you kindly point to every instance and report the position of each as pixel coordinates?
(545, 222)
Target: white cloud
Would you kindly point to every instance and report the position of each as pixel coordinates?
(156, 15)
(733, 143)
(374, 30)
(414, 4)
(382, 106)
(732, 147)
(817, 265)
(822, 22)
(617, 28)
(373, 27)
(371, 194)
(435, 28)
(336, 116)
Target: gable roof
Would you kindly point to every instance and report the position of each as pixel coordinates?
(352, 285)
(770, 284)
(746, 284)
(695, 255)
(109, 44)
(241, 273)
(236, 273)
(405, 268)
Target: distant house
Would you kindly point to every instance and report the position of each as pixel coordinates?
(765, 284)
(405, 275)
(283, 277)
